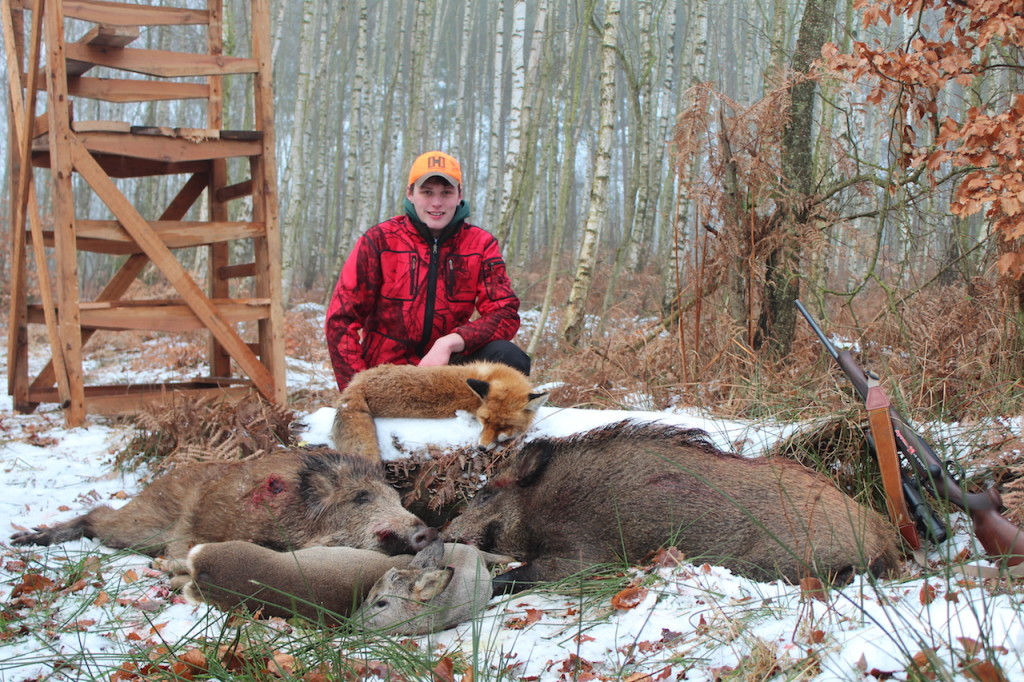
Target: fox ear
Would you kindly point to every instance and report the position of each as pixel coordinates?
(534, 401)
(481, 388)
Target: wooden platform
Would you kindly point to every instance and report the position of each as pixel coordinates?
(245, 330)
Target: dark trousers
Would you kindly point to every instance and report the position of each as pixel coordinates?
(505, 352)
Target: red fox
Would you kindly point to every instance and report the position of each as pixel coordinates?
(500, 397)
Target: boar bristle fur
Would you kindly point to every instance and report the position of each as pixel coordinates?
(627, 489)
(288, 499)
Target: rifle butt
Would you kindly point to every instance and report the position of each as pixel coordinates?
(1001, 539)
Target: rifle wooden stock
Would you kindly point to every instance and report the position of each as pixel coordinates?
(997, 535)
(1000, 538)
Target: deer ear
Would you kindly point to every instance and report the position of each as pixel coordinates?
(480, 387)
(430, 556)
(432, 583)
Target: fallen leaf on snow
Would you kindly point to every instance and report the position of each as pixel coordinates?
(629, 598)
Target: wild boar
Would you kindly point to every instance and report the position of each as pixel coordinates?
(445, 585)
(288, 499)
(498, 396)
(625, 490)
(321, 584)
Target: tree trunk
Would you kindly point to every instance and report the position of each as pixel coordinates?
(295, 166)
(513, 140)
(497, 89)
(782, 275)
(566, 174)
(574, 309)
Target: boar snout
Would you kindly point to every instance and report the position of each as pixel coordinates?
(423, 537)
(392, 540)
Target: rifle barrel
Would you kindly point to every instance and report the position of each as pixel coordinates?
(999, 536)
(817, 330)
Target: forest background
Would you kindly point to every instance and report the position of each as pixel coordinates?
(666, 177)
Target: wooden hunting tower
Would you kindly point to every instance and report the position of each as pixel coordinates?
(61, 53)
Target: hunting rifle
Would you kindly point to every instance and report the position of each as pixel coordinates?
(1001, 539)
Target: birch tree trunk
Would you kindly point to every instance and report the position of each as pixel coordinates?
(647, 163)
(522, 156)
(569, 138)
(358, 145)
(517, 84)
(591, 238)
(691, 72)
(494, 164)
(462, 79)
(295, 169)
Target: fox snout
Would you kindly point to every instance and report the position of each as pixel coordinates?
(489, 438)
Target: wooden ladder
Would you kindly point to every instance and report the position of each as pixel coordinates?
(47, 227)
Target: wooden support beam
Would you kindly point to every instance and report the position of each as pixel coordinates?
(263, 171)
(17, 331)
(165, 149)
(161, 315)
(117, 166)
(137, 90)
(176, 274)
(69, 343)
(119, 399)
(107, 236)
(160, 63)
(100, 12)
(236, 271)
(102, 36)
(235, 191)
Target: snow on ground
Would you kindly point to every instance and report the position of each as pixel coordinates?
(692, 621)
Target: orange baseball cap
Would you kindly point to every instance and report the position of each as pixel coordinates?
(435, 163)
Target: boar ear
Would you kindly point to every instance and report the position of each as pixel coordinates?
(432, 583)
(430, 556)
(532, 462)
(481, 388)
(534, 401)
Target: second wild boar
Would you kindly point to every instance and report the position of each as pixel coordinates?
(625, 490)
(285, 500)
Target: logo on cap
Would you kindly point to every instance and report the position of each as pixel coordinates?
(435, 163)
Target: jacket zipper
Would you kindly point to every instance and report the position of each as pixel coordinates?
(428, 315)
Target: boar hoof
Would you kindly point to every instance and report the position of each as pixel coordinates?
(36, 536)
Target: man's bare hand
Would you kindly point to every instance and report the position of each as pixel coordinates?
(441, 352)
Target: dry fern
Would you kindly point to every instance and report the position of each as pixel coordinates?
(436, 484)
(186, 430)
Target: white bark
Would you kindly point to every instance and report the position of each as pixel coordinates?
(498, 85)
(517, 84)
(591, 238)
(294, 169)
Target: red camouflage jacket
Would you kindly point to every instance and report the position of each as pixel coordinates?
(400, 290)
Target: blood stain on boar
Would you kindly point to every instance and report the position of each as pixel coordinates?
(273, 486)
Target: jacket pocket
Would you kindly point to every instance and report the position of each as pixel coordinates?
(499, 286)
(399, 275)
(461, 276)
